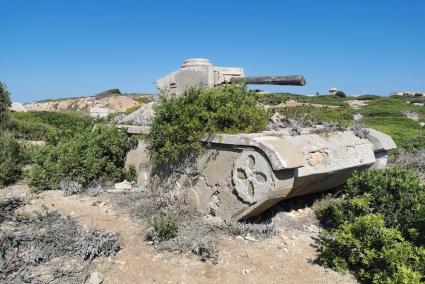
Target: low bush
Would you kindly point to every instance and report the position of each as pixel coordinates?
(91, 155)
(377, 230)
(181, 122)
(13, 156)
(375, 253)
(5, 104)
(28, 129)
(368, 97)
(163, 227)
(67, 120)
(48, 126)
(340, 94)
(409, 159)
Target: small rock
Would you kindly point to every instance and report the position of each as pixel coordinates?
(282, 247)
(96, 203)
(245, 271)
(251, 238)
(125, 185)
(213, 220)
(96, 278)
(357, 117)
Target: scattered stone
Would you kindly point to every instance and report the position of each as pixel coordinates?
(98, 203)
(356, 104)
(141, 117)
(96, 278)
(206, 251)
(357, 117)
(360, 131)
(412, 115)
(249, 237)
(278, 121)
(121, 186)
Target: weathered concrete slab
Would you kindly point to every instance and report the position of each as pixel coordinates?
(242, 175)
(380, 140)
(281, 153)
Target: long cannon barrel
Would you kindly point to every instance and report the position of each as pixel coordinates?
(201, 72)
(296, 80)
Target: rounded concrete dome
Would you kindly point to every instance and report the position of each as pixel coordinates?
(196, 62)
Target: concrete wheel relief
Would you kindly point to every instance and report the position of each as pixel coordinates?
(252, 176)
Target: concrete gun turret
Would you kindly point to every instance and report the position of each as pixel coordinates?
(201, 72)
(241, 175)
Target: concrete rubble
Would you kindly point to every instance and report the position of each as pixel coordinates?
(123, 186)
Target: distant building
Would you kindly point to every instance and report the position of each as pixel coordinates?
(333, 91)
(409, 94)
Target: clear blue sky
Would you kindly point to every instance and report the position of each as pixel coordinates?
(57, 48)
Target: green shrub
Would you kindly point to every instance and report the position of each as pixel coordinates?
(92, 155)
(109, 92)
(12, 158)
(68, 120)
(368, 97)
(180, 123)
(377, 230)
(396, 193)
(49, 126)
(163, 227)
(5, 104)
(340, 94)
(28, 130)
(375, 253)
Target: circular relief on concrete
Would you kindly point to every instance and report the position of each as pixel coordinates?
(252, 176)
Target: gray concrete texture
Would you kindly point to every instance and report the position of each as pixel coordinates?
(242, 175)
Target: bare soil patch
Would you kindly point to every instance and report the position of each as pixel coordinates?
(283, 258)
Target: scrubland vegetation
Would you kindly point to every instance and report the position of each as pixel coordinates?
(75, 148)
(91, 155)
(374, 228)
(386, 114)
(377, 228)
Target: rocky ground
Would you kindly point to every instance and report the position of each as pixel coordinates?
(118, 103)
(286, 257)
